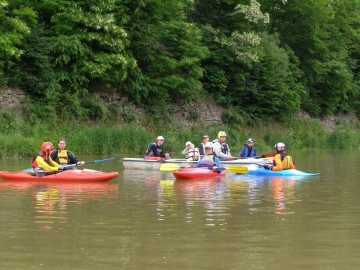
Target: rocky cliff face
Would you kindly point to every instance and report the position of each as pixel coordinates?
(11, 97)
(201, 112)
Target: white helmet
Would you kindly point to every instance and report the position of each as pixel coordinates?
(209, 145)
(280, 146)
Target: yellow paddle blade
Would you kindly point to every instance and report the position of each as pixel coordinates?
(169, 167)
(238, 169)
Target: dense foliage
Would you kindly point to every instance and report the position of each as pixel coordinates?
(261, 59)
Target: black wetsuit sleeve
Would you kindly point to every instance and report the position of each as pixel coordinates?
(71, 158)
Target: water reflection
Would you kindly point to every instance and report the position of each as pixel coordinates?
(259, 190)
(209, 195)
(51, 200)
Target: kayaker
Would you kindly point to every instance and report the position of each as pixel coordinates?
(43, 160)
(201, 147)
(156, 149)
(190, 152)
(281, 160)
(209, 160)
(64, 156)
(221, 148)
(249, 150)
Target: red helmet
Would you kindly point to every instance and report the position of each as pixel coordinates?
(47, 147)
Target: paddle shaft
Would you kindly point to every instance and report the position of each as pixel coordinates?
(42, 172)
(174, 167)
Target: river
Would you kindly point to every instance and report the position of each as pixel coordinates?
(147, 220)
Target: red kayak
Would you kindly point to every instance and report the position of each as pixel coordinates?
(196, 173)
(65, 176)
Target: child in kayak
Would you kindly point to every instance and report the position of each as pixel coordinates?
(209, 160)
(281, 160)
(43, 161)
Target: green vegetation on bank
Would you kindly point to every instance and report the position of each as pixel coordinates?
(19, 138)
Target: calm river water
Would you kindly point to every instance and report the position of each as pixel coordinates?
(147, 220)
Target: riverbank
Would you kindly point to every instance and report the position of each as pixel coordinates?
(20, 139)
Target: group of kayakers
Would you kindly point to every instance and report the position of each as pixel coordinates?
(49, 159)
(209, 154)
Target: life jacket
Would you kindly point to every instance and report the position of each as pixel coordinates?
(34, 163)
(248, 153)
(207, 161)
(224, 147)
(193, 154)
(285, 161)
(63, 156)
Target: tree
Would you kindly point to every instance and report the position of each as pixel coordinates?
(13, 29)
(168, 50)
(322, 35)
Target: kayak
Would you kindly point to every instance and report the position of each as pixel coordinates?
(65, 176)
(142, 164)
(291, 172)
(90, 189)
(197, 173)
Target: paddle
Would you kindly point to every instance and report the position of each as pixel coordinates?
(43, 172)
(87, 162)
(169, 167)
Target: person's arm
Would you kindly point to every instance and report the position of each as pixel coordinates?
(291, 165)
(163, 153)
(242, 152)
(218, 164)
(41, 163)
(71, 158)
(198, 164)
(185, 151)
(278, 164)
(254, 151)
(229, 153)
(218, 153)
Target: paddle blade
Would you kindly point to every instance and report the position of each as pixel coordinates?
(238, 169)
(169, 167)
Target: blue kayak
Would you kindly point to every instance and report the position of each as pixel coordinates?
(292, 172)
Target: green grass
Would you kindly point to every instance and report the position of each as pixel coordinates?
(19, 139)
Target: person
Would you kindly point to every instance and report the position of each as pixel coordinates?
(43, 160)
(156, 149)
(64, 156)
(249, 150)
(190, 152)
(201, 147)
(209, 160)
(281, 160)
(221, 148)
